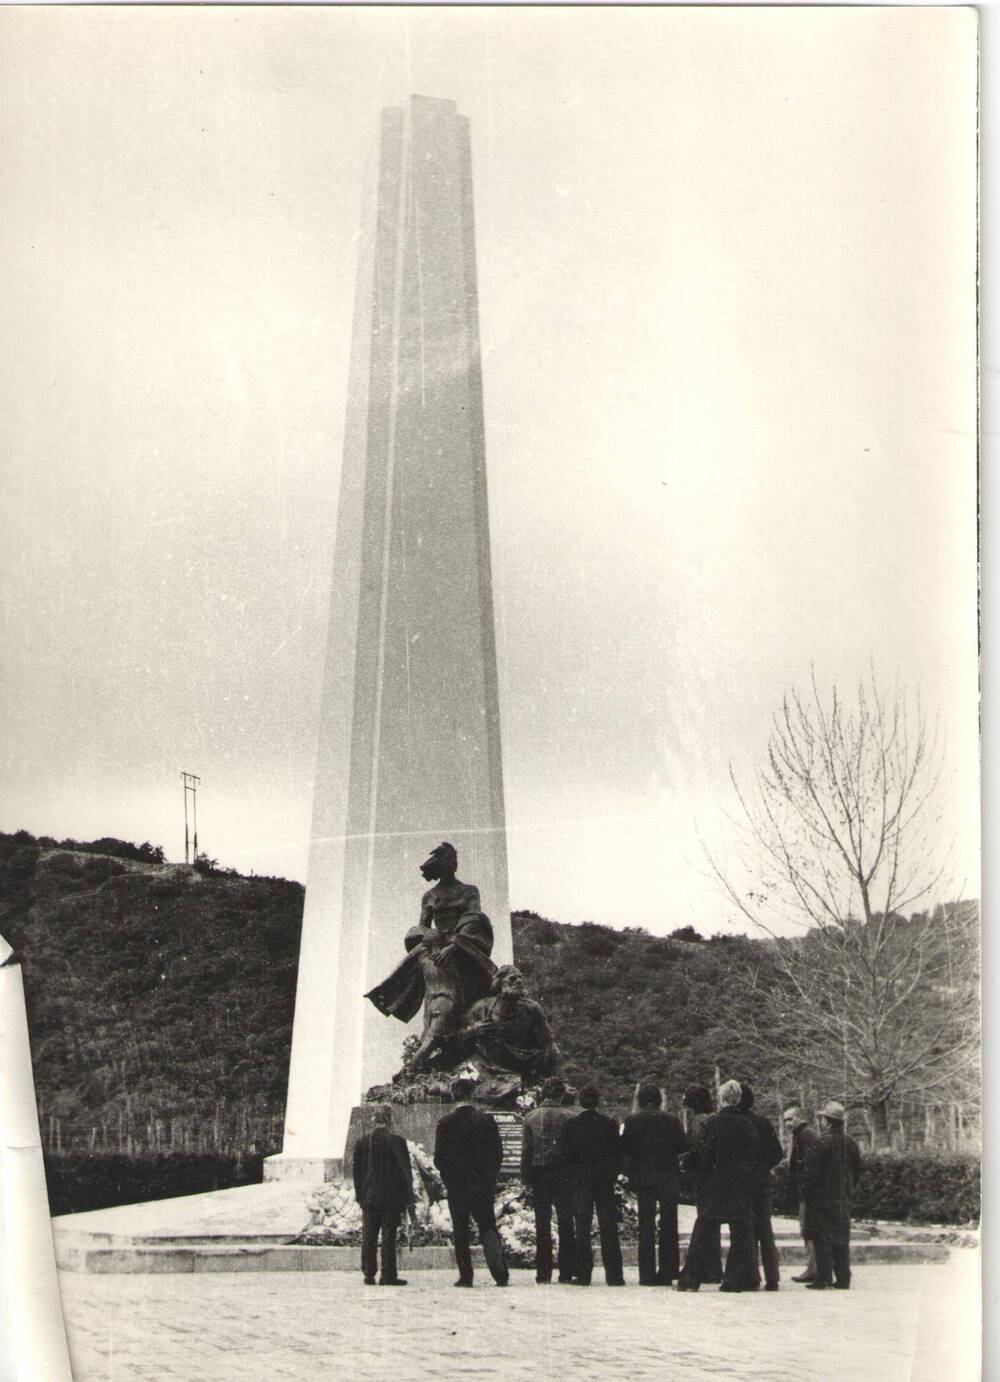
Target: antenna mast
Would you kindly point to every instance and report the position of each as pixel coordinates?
(190, 782)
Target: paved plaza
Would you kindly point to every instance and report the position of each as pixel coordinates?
(917, 1323)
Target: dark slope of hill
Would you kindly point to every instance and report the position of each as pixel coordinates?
(155, 993)
(625, 1004)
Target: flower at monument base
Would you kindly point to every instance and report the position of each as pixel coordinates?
(439, 1220)
(335, 1214)
(428, 1187)
(628, 1211)
(516, 1224)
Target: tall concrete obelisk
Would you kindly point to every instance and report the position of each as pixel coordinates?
(409, 751)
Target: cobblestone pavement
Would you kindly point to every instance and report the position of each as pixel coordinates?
(918, 1323)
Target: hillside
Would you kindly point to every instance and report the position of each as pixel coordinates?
(160, 998)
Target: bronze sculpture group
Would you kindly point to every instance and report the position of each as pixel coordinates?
(473, 1010)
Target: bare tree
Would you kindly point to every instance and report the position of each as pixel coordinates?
(840, 836)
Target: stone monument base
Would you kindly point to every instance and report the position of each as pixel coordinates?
(416, 1122)
(310, 1170)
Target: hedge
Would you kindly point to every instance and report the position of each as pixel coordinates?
(99, 1180)
(918, 1187)
(921, 1188)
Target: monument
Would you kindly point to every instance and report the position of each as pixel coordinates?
(409, 744)
(478, 1019)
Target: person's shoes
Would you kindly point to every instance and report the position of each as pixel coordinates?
(462, 1282)
(369, 1281)
(804, 1277)
(688, 1285)
(726, 1287)
(543, 1280)
(614, 1283)
(396, 1281)
(771, 1286)
(663, 1281)
(505, 1281)
(566, 1281)
(819, 1285)
(841, 1285)
(580, 1282)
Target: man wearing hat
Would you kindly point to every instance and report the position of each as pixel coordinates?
(831, 1173)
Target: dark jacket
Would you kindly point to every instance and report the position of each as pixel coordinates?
(591, 1146)
(692, 1180)
(651, 1143)
(831, 1173)
(383, 1178)
(728, 1154)
(468, 1151)
(804, 1139)
(769, 1151)
(541, 1138)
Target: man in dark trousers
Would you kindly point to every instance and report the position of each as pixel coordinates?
(651, 1143)
(468, 1152)
(728, 1150)
(591, 1151)
(383, 1187)
(831, 1174)
(543, 1171)
(699, 1111)
(804, 1140)
(769, 1155)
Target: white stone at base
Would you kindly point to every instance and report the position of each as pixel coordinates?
(312, 1169)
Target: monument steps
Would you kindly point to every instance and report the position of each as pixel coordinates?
(87, 1258)
(256, 1228)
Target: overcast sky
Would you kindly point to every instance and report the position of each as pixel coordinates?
(727, 267)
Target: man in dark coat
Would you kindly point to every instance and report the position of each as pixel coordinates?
(698, 1111)
(727, 1156)
(831, 1174)
(543, 1170)
(804, 1140)
(591, 1151)
(468, 1153)
(383, 1187)
(770, 1154)
(651, 1143)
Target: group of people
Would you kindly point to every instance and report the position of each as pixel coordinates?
(571, 1158)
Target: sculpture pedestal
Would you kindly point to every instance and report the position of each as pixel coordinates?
(415, 1122)
(418, 1123)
